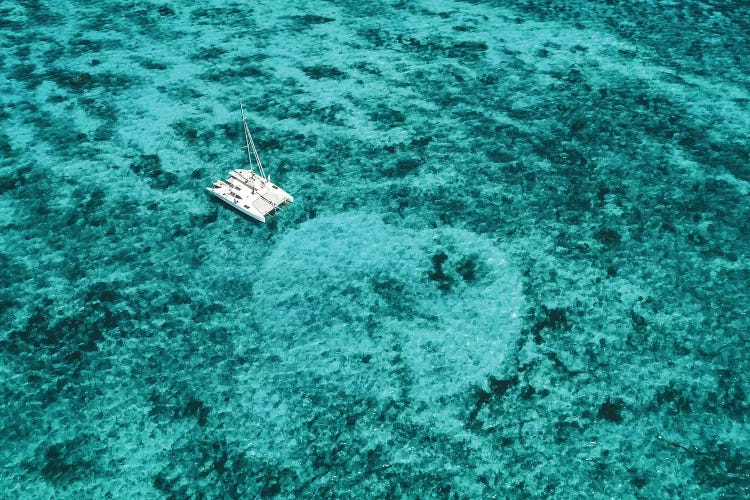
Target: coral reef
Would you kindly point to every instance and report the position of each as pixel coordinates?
(516, 266)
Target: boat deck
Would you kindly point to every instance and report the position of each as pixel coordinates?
(250, 193)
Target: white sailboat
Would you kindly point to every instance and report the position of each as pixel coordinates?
(248, 191)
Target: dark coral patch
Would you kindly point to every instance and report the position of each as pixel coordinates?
(312, 19)
(438, 274)
(67, 460)
(403, 167)
(149, 167)
(467, 268)
(324, 71)
(608, 237)
(611, 410)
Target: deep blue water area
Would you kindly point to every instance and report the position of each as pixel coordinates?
(517, 264)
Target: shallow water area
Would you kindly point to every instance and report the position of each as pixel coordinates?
(390, 307)
(516, 265)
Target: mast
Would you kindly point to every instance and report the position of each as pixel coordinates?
(250, 144)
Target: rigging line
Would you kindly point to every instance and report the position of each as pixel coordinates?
(251, 144)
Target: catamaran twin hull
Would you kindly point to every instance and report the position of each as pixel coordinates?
(250, 193)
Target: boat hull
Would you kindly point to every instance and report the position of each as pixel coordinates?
(247, 191)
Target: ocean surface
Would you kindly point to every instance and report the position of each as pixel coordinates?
(517, 264)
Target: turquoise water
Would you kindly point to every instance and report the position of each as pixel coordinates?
(516, 265)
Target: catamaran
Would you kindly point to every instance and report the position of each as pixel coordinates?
(248, 191)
